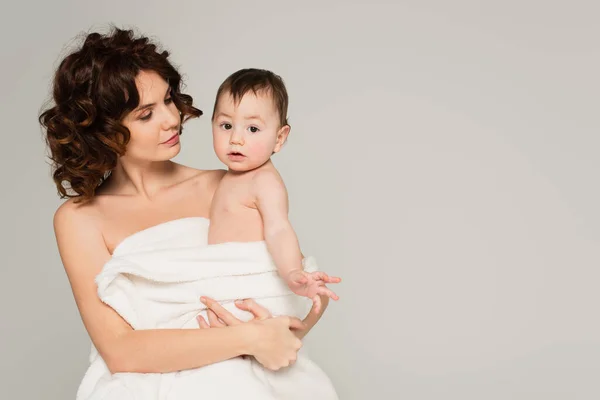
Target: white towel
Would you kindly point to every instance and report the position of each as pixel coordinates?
(161, 288)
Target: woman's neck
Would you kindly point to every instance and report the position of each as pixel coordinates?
(142, 179)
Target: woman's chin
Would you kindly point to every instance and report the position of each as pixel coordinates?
(171, 152)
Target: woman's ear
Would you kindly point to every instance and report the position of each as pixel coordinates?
(282, 136)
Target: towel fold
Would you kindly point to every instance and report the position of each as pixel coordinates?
(161, 289)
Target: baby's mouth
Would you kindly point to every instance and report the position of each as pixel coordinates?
(235, 155)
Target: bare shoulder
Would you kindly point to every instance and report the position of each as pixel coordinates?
(202, 186)
(267, 186)
(206, 181)
(77, 227)
(75, 216)
(214, 176)
(201, 175)
(268, 177)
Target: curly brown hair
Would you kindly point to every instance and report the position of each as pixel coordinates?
(93, 90)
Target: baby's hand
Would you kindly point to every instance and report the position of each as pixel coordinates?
(312, 285)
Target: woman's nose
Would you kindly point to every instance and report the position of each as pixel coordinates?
(172, 118)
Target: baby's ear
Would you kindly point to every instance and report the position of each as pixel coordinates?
(282, 136)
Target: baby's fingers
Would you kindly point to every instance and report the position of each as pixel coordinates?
(327, 292)
(333, 279)
(322, 276)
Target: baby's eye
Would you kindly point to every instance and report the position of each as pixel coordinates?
(227, 126)
(253, 129)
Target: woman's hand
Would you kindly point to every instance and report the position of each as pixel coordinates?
(273, 344)
(215, 321)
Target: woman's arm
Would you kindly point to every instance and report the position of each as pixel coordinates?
(83, 252)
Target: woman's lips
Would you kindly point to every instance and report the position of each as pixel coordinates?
(173, 140)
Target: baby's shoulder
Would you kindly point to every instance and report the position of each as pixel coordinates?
(268, 177)
(207, 179)
(268, 183)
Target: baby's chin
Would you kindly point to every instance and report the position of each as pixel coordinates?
(240, 168)
(244, 167)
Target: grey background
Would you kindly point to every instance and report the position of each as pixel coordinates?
(442, 159)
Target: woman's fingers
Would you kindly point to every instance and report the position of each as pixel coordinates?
(214, 320)
(219, 312)
(202, 322)
(257, 310)
(295, 323)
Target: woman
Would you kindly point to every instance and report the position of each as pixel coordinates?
(112, 133)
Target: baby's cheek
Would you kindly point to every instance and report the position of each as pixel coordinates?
(261, 150)
(220, 145)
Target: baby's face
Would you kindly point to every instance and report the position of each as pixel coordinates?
(247, 134)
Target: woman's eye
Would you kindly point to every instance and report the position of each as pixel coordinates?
(146, 117)
(253, 129)
(169, 100)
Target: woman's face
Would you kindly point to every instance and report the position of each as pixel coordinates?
(155, 124)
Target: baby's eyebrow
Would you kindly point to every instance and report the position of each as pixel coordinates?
(255, 117)
(222, 114)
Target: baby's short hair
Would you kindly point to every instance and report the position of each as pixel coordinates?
(256, 80)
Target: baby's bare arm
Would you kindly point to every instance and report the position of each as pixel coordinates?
(272, 203)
